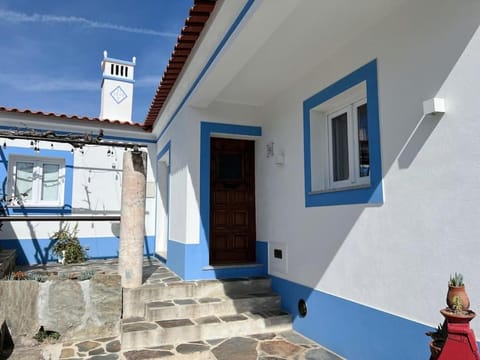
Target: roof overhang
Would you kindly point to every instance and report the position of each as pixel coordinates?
(273, 44)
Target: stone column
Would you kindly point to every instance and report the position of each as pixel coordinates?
(132, 223)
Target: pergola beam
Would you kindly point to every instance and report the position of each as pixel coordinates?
(77, 141)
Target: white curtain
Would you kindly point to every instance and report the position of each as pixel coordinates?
(24, 180)
(50, 182)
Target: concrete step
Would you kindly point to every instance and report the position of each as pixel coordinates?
(222, 305)
(137, 333)
(134, 300)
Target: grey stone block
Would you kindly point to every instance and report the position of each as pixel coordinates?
(19, 308)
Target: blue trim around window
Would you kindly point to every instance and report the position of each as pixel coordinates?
(369, 195)
(44, 153)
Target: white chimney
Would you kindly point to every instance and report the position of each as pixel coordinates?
(117, 88)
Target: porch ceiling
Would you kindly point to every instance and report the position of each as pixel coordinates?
(282, 42)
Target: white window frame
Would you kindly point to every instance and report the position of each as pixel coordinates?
(347, 103)
(37, 185)
(354, 178)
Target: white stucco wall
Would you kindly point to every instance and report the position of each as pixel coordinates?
(96, 187)
(184, 137)
(396, 257)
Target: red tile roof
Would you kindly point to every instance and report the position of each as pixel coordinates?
(69, 117)
(194, 24)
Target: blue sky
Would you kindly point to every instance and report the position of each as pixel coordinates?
(50, 50)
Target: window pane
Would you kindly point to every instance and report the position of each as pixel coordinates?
(50, 182)
(24, 180)
(340, 147)
(364, 158)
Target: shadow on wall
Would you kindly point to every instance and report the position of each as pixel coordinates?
(12, 242)
(417, 139)
(352, 329)
(6, 342)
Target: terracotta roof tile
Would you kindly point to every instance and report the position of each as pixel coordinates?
(194, 24)
(69, 117)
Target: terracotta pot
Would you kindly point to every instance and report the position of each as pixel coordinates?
(457, 318)
(460, 292)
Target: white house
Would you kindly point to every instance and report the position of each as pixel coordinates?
(329, 144)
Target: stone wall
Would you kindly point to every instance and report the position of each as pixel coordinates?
(7, 262)
(75, 309)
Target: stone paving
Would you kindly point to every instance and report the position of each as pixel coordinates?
(272, 346)
(154, 271)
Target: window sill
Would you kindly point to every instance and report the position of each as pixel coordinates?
(35, 210)
(345, 188)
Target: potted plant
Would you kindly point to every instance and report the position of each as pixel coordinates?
(456, 287)
(439, 336)
(67, 246)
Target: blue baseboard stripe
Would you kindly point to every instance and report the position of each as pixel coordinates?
(189, 261)
(352, 330)
(39, 251)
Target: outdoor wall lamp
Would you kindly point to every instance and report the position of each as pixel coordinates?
(434, 106)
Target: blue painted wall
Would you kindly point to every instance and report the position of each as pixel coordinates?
(39, 251)
(352, 330)
(190, 262)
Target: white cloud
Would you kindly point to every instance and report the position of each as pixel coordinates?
(148, 81)
(17, 17)
(38, 83)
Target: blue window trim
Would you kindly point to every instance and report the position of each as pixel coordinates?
(207, 129)
(44, 153)
(369, 195)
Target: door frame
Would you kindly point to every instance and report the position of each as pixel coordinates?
(207, 131)
(164, 157)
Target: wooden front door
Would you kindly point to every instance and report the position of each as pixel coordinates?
(232, 202)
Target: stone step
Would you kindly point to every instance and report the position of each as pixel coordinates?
(134, 300)
(137, 333)
(200, 307)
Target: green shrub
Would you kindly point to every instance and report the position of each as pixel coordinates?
(43, 334)
(86, 275)
(66, 240)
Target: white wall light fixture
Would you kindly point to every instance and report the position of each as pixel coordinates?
(280, 159)
(434, 106)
